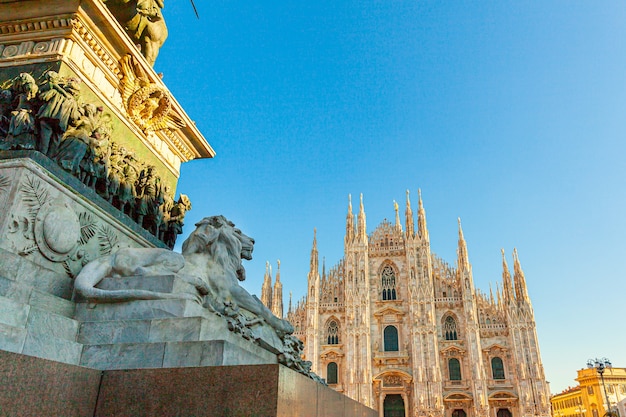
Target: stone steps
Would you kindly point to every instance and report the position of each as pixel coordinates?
(20, 270)
(37, 332)
(53, 348)
(46, 323)
(170, 355)
(139, 309)
(139, 336)
(12, 338)
(142, 331)
(27, 294)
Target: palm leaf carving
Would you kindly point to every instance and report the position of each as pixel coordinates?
(87, 227)
(107, 239)
(4, 184)
(28, 250)
(68, 269)
(34, 196)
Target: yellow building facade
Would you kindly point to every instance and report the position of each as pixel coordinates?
(589, 398)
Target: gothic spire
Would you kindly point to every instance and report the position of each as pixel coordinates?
(521, 292)
(277, 296)
(421, 218)
(507, 287)
(398, 224)
(314, 265)
(362, 229)
(266, 289)
(498, 295)
(463, 258)
(290, 309)
(349, 222)
(408, 218)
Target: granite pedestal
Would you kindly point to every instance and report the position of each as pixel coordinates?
(38, 387)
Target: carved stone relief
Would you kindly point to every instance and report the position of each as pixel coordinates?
(14, 50)
(49, 116)
(46, 224)
(5, 184)
(392, 381)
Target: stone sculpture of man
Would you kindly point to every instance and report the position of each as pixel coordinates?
(143, 22)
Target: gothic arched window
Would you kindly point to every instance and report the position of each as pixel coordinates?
(497, 368)
(449, 329)
(391, 339)
(332, 333)
(454, 368)
(388, 280)
(331, 373)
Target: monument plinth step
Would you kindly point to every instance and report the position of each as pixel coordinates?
(171, 355)
(139, 309)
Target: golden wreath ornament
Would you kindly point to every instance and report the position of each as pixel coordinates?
(148, 104)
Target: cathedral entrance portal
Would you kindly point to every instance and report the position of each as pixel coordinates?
(504, 412)
(459, 413)
(393, 406)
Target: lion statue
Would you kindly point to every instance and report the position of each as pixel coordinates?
(211, 263)
(135, 262)
(214, 253)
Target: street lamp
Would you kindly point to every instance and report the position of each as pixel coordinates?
(601, 365)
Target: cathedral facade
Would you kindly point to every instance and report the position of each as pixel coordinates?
(399, 330)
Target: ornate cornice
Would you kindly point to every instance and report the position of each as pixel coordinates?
(35, 25)
(174, 139)
(82, 30)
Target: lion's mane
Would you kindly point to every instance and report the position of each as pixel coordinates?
(217, 238)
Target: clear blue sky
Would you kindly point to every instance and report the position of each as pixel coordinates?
(508, 114)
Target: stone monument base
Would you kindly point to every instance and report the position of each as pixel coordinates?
(64, 355)
(39, 387)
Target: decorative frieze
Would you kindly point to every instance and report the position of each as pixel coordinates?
(8, 28)
(51, 225)
(11, 51)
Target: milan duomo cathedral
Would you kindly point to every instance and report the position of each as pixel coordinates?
(396, 328)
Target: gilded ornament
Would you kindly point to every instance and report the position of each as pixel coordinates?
(148, 104)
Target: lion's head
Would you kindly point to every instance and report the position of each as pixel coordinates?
(221, 240)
